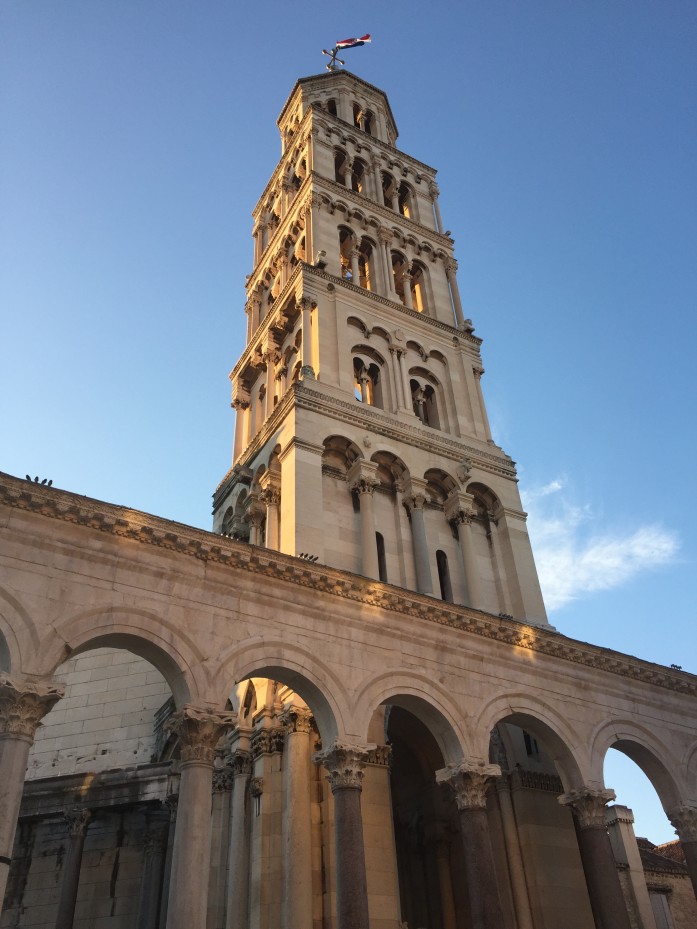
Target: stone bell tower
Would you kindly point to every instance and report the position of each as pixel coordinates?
(361, 435)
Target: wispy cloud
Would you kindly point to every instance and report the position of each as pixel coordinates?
(574, 560)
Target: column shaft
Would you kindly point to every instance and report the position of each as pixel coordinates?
(351, 882)
(690, 849)
(606, 898)
(455, 293)
(72, 863)
(519, 887)
(369, 552)
(464, 533)
(297, 910)
(307, 335)
(421, 559)
(238, 857)
(479, 867)
(153, 873)
(199, 732)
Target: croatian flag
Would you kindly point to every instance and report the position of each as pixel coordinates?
(353, 43)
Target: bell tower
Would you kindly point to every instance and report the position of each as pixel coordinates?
(361, 434)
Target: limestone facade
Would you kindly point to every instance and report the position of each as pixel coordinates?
(344, 707)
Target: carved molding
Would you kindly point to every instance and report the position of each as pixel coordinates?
(588, 806)
(256, 786)
(209, 547)
(199, 731)
(222, 779)
(469, 782)
(344, 764)
(535, 780)
(23, 705)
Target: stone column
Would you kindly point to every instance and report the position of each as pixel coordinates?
(362, 480)
(519, 884)
(78, 820)
(450, 273)
(385, 237)
(478, 372)
(414, 499)
(377, 181)
(345, 765)
(269, 358)
(253, 517)
(170, 803)
(240, 762)
(22, 707)
(297, 831)
(270, 483)
(199, 731)
(241, 407)
(459, 509)
(439, 840)
(393, 193)
(307, 371)
(404, 374)
(406, 285)
(434, 190)
(355, 272)
(469, 783)
(346, 172)
(155, 850)
(396, 382)
(604, 889)
(684, 820)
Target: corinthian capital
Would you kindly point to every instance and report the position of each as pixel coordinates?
(468, 781)
(23, 705)
(344, 764)
(199, 731)
(588, 806)
(78, 820)
(296, 719)
(684, 821)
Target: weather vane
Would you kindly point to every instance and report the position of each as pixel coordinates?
(341, 46)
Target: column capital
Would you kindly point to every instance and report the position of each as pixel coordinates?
(414, 493)
(344, 764)
(362, 476)
(468, 780)
(23, 704)
(267, 741)
(385, 235)
(588, 805)
(433, 189)
(451, 265)
(459, 507)
(296, 718)
(684, 820)
(78, 820)
(199, 731)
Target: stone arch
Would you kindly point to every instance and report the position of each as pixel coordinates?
(300, 670)
(421, 696)
(15, 621)
(339, 453)
(561, 741)
(646, 750)
(174, 654)
(391, 469)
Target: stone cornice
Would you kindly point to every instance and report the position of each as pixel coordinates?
(145, 529)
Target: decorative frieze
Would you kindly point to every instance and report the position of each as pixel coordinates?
(24, 704)
(536, 780)
(150, 530)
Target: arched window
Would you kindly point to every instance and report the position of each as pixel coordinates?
(331, 107)
(406, 201)
(367, 382)
(369, 122)
(366, 264)
(424, 403)
(358, 176)
(446, 590)
(340, 165)
(418, 286)
(227, 521)
(382, 564)
(389, 188)
(357, 115)
(400, 272)
(347, 243)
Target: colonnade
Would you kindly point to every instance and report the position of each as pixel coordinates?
(199, 730)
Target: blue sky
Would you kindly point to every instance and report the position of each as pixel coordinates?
(136, 139)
